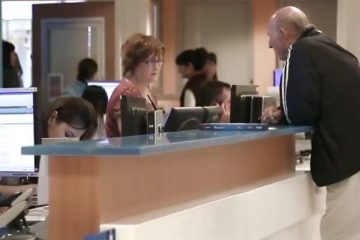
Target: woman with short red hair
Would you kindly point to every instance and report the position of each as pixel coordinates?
(142, 59)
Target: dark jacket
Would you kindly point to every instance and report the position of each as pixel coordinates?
(321, 82)
(11, 78)
(194, 84)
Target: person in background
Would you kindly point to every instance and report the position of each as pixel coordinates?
(10, 74)
(97, 96)
(142, 59)
(210, 67)
(87, 69)
(190, 64)
(217, 93)
(66, 117)
(15, 62)
(320, 87)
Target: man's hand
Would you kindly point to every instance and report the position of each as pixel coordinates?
(271, 115)
(225, 116)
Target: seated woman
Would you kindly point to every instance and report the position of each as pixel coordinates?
(96, 95)
(217, 93)
(142, 59)
(190, 65)
(67, 117)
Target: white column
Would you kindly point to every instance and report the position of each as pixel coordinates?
(348, 31)
(131, 16)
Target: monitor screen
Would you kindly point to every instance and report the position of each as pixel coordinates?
(239, 105)
(109, 86)
(188, 118)
(16, 130)
(212, 114)
(277, 77)
(133, 116)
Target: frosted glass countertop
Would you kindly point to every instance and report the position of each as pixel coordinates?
(142, 145)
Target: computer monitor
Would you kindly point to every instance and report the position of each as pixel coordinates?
(188, 118)
(212, 114)
(17, 130)
(277, 77)
(239, 105)
(109, 86)
(133, 116)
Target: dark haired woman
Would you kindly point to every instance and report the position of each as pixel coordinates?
(210, 67)
(190, 65)
(10, 74)
(87, 69)
(67, 117)
(97, 96)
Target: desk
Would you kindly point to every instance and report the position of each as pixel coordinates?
(287, 208)
(95, 182)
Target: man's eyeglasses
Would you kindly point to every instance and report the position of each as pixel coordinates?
(153, 62)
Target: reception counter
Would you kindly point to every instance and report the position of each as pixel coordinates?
(101, 181)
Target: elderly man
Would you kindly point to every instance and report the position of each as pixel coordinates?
(321, 87)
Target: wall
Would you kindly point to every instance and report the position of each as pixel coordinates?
(264, 57)
(241, 58)
(131, 16)
(170, 36)
(261, 60)
(47, 11)
(347, 22)
(326, 21)
(223, 27)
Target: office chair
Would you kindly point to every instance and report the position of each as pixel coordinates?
(16, 222)
(11, 213)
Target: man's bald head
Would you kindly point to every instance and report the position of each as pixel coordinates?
(285, 27)
(291, 19)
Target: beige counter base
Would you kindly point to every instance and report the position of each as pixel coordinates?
(285, 209)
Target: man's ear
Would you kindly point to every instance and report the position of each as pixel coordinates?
(53, 117)
(288, 36)
(283, 33)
